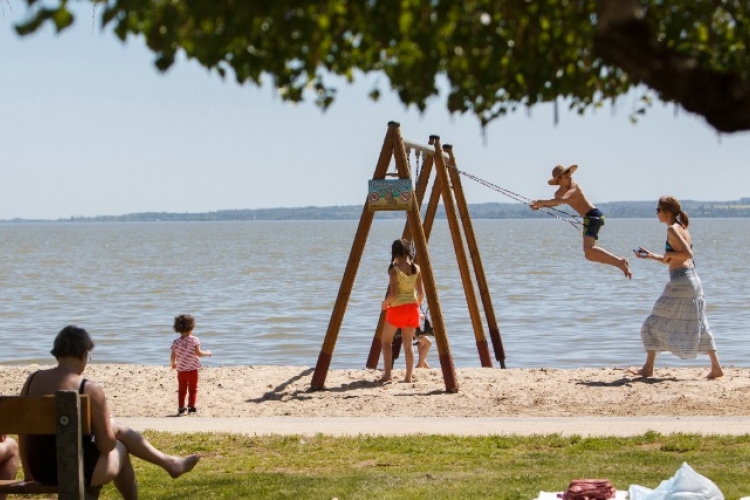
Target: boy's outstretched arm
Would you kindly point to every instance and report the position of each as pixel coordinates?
(559, 199)
(537, 204)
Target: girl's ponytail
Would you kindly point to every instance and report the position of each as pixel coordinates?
(683, 218)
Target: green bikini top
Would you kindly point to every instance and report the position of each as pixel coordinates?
(668, 247)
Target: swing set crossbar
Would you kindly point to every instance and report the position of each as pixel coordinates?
(422, 148)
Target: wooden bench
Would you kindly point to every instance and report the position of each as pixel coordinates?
(66, 415)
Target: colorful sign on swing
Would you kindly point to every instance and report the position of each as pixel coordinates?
(389, 194)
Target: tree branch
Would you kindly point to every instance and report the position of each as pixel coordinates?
(624, 39)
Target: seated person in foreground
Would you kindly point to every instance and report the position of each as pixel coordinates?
(106, 453)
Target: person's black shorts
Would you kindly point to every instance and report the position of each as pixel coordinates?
(592, 222)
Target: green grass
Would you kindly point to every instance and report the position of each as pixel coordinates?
(433, 467)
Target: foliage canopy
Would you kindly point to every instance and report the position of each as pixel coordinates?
(495, 55)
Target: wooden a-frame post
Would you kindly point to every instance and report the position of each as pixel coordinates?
(476, 259)
(449, 203)
(420, 190)
(447, 184)
(392, 146)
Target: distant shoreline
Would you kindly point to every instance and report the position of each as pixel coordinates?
(614, 210)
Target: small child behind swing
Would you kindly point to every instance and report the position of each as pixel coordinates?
(423, 340)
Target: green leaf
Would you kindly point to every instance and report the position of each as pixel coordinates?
(63, 18)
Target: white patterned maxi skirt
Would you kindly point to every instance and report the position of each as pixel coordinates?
(678, 322)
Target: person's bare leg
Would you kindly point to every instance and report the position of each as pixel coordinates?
(648, 366)
(387, 347)
(115, 466)
(139, 446)
(423, 348)
(126, 482)
(716, 370)
(598, 254)
(407, 334)
(8, 460)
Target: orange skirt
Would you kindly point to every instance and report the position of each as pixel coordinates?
(403, 316)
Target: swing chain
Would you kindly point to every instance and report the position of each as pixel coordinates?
(417, 156)
(572, 219)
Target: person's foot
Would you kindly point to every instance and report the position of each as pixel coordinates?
(385, 380)
(423, 365)
(192, 409)
(178, 466)
(181, 411)
(715, 373)
(643, 372)
(625, 268)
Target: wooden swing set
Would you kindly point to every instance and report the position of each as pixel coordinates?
(447, 186)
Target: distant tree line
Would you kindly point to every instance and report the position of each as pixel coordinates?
(613, 209)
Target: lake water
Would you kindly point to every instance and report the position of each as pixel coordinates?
(263, 292)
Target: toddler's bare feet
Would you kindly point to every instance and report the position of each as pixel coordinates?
(180, 466)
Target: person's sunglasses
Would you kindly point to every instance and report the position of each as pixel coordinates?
(658, 210)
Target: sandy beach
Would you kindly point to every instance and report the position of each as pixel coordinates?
(284, 391)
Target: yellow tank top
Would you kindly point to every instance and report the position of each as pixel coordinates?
(407, 288)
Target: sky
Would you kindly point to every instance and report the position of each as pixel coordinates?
(88, 126)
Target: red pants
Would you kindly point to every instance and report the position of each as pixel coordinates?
(187, 383)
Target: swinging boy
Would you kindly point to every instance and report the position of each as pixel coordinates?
(569, 192)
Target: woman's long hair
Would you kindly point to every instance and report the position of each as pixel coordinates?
(401, 248)
(672, 205)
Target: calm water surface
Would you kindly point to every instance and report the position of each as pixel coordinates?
(262, 292)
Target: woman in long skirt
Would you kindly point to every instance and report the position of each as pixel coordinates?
(678, 322)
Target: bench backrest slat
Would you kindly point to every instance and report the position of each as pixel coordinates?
(36, 415)
(67, 416)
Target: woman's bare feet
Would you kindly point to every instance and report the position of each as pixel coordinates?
(643, 372)
(180, 465)
(423, 365)
(716, 370)
(384, 380)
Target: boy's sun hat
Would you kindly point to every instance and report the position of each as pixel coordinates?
(559, 171)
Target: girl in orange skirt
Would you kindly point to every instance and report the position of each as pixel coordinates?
(401, 306)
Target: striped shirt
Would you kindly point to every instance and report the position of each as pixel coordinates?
(184, 350)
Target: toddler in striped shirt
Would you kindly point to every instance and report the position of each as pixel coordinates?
(186, 349)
